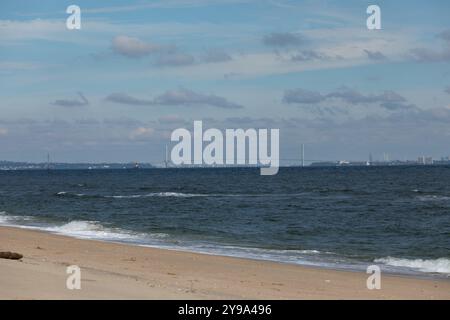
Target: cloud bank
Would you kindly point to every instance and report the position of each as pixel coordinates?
(283, 39)
(389, 99)
(178, 97)
(72, 102)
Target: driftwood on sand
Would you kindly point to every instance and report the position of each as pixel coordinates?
(10, 255)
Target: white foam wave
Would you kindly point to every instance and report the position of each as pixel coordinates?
(158, 194)
(177, 194)
(132, 196)
(434, 198)
(6, 219)
(441, 265)
(95, 230)
(82, 229)
(174, 194)
(64, 193)
(126, 197)
(3, 217)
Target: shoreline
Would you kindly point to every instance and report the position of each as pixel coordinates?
(329, 266)
(112, 270)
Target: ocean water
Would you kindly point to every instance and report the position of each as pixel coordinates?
(345, 218)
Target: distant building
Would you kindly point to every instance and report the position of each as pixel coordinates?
(425, 160)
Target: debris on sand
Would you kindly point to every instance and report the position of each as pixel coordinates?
(10, 255)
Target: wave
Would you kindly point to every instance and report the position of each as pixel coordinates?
(132, 196)
(69, 194)
(81, 229)
(433, 198)
(2, 215)
(95, 230)
(440, 265)
(172, 194)
(88, 229)
(6, 219)
(158, 194)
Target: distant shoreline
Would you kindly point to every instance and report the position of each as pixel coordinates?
(147, 166)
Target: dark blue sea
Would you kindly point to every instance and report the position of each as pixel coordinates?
(343, 218)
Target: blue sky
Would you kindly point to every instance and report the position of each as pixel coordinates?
(114, 90)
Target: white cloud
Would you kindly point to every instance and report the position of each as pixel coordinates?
(177, 97)
(141, 132)
(133, 47)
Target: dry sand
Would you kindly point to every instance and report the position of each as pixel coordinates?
(118, 271)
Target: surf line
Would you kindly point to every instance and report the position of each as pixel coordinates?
(235, 146)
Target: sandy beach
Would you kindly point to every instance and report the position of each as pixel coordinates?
(118, 271)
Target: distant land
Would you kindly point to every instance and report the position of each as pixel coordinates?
(421, 161)
(376, 163)
(11, 165)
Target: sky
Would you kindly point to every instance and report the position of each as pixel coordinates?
(136, 70)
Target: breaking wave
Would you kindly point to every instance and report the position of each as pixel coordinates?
(159, 194)
(433, 198)
(441, 265)
(95, 230)
(132, 196)
(81, 229)
(6, 219)
(172, 194)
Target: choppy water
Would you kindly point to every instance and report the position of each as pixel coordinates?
(396, 217)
